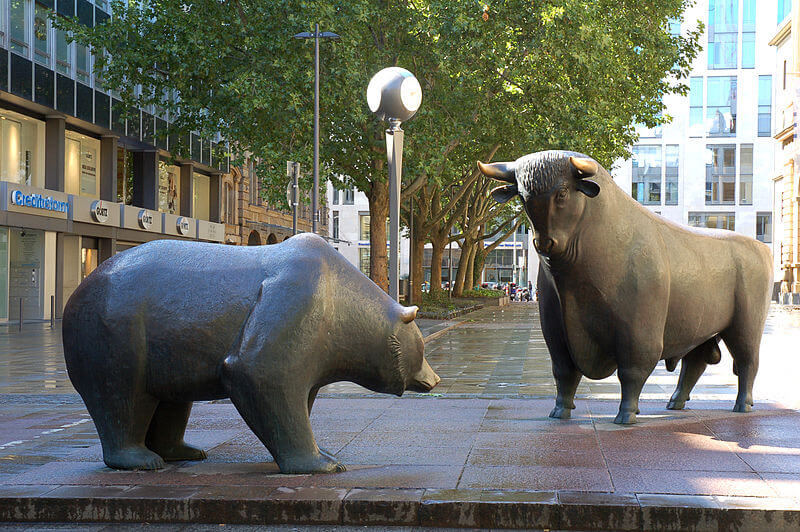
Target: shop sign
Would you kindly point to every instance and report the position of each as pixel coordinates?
(100, 211)
(38, 201)
(182, 224)
(145, 219)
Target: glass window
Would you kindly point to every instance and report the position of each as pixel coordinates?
(348, 196)
(169, 188)
(674, 26)
(721, 106)
(764, 227)
(230, 204)
(712, 220)
(26, 254)
(748, 33)
(41, 34)
(723, 30)
(764, 106)
(672, 159)
(646, 182)
(335, 197)
(746, 174)
(202, 197)
(784, 8)
(363, 226)
(720, 174)
(63, 52)
(649, 132)
(363, 260)
(696, 128)
(80, 165)
(336, 225)
(82, 63)
(21, 150)
(18, 27)
(124, 177)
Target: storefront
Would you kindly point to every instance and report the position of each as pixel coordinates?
(50, 241)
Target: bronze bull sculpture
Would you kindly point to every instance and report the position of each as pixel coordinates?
(621, 288)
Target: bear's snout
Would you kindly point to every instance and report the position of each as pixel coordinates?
(424, 380)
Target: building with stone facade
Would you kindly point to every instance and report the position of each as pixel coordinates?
(251, 221)
(786, 40)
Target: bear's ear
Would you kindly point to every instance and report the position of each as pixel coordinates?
(408, 314)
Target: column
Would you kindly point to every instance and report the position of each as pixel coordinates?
(54, 146)
(59, 292)
(145, 179)
(108, 168)
(214, 198)
(106, 249)
(187, 190)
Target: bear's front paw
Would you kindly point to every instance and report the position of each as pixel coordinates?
(318, 463)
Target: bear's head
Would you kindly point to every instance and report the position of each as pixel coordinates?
(408, 350)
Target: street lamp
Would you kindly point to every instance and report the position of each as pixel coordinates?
(394, 94)
(316, 35)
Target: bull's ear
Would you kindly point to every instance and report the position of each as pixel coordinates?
(583, 167)
(588, 187)
(503, 194)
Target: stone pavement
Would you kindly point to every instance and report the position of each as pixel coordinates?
(479, 452)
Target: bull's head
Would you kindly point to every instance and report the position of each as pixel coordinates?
(554, 187)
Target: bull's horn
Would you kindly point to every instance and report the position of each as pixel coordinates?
(585, 167)
(506, 172)
(408, 314)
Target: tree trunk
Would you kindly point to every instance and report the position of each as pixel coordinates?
(478, 263)
(436, 265)
(469, 280)
(463, 266)
(378, 212)
(418, 254)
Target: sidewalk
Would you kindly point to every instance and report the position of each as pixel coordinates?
(480, 452)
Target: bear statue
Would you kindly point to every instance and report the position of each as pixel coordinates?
(164, 324)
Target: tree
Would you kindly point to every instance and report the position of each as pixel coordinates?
(519, 75)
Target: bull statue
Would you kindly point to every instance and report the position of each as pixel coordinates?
(167, 323)
(621, 288)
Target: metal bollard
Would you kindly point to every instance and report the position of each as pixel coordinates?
(20, 314)
(52, 312)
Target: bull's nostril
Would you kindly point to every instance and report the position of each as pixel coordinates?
(549, 245)
(543, 247)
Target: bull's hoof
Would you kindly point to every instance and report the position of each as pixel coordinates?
(625, 418)
(676, 404)
(318, 464)
(181, 451)
(561, 412)
(742, 407)
(136, 457)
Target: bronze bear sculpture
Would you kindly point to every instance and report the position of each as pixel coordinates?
(167, 323)
(621, 288)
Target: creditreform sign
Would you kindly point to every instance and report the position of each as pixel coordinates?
(38, 201)
(23, 199)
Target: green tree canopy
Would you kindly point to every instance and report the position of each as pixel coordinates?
(510, 76)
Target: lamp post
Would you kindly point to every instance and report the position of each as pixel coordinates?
(394, 94)
(316, 35)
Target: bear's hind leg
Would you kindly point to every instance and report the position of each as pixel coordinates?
(165, 435)
(121, 423)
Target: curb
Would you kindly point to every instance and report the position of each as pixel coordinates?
(400, 507)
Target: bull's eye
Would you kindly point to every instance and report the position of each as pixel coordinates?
(562, 194)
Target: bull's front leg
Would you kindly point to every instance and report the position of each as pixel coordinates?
(566, 375)
(633, 373)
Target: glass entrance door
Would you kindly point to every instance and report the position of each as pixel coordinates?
(26, 255)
